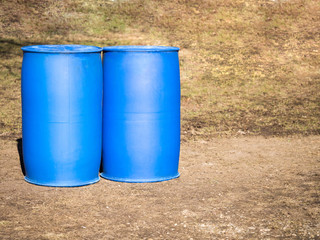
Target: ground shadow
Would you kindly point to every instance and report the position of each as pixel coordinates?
(19, 148)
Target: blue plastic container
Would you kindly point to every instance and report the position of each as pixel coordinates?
(61, 114)
(141, 113)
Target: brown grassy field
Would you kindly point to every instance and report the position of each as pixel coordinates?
(247, 67)
(250, 156)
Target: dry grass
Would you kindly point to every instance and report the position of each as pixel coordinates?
(247, 67)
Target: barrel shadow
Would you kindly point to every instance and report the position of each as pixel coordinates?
(20, 152)
(19, 148)
(101, 166)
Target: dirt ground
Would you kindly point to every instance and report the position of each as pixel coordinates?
(230, 188)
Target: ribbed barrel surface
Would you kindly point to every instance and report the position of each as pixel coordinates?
(61, 114)
(141, 113)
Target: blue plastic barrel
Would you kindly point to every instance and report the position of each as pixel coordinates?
(61, 114)
(141, 113)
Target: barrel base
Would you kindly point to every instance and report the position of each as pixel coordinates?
(132, 180)
(62, 184)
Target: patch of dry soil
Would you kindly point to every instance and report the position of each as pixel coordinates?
(239, 188)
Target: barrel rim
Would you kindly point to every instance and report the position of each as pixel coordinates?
(140, 48)
(67, 48)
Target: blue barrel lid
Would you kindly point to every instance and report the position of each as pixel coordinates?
(140, 49)
(61, 49)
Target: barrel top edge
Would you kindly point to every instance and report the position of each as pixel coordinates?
(61, 49)
(138, 48)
